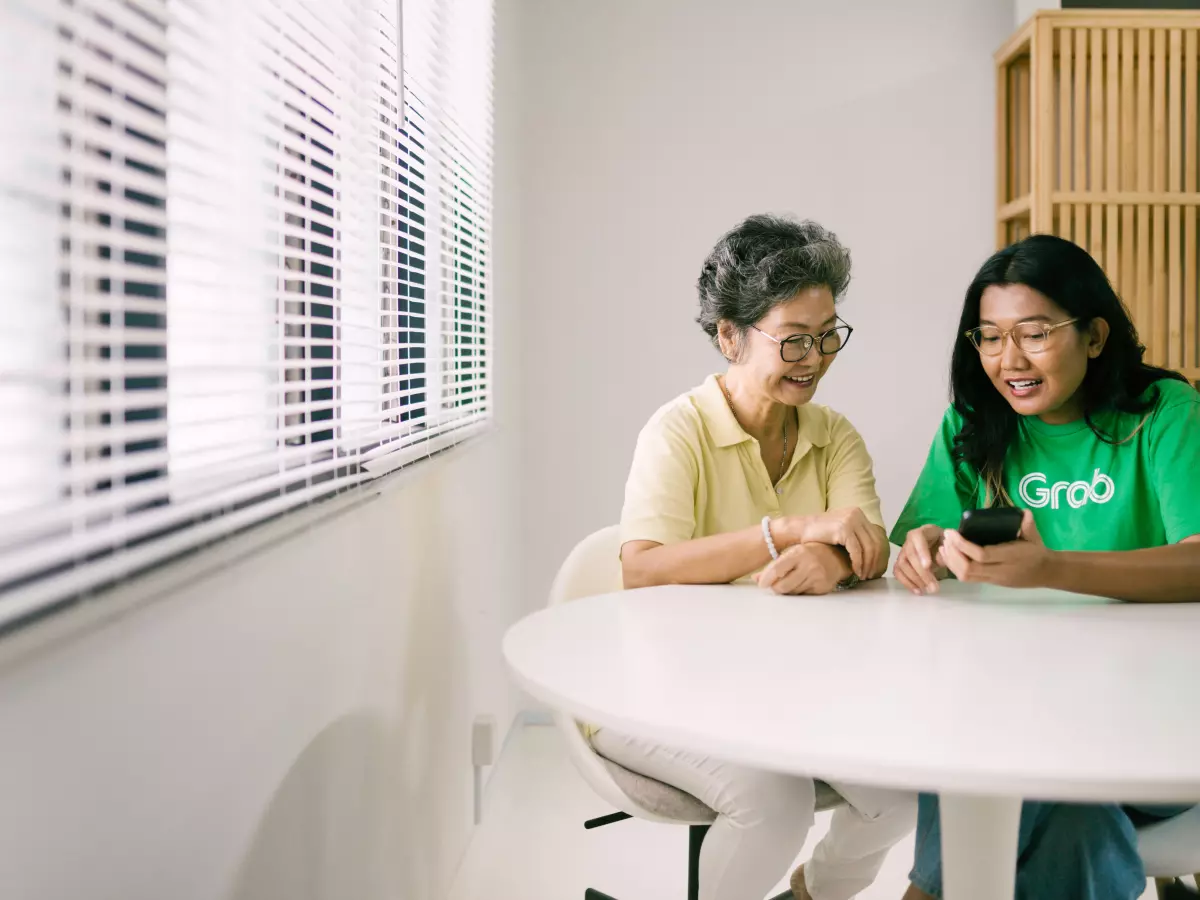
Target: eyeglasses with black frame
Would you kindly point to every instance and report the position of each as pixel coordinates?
(793, 348)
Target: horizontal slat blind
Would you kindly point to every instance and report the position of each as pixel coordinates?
(445, 239)
(214, 261)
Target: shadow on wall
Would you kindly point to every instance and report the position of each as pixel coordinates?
(315, 840)
(368, 809)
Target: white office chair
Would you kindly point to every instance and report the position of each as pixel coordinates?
(594, 567)
(1170, 850)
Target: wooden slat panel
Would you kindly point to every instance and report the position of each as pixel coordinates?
(1142, 299)
(1043, 178)
(1015, 45)
(1128, 112)
(1112, 181)
(1011, 177)
(1128, 270)
(1191, 164)
(1002, 130)
(1065, 75)
(1080, 132)
(1173, 276)
(1191, 116)
(1124, 18)
(1180, 198)
(1159, 106)
(1191, 288)
(1174, 272)
(1025, 118)
(1099, 144)
(1158, 280)
(1080, 235)
(1112, 110)
(1096, 141)
(1175, 111)
(1017, 209)
(1128, 163)
(1144, 63)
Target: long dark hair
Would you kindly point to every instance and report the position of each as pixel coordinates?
(1116, 380)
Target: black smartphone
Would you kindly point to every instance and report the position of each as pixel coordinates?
(997, 525)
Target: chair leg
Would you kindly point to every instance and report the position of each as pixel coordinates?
(1173, 889)
(696, 835)
(606, 820)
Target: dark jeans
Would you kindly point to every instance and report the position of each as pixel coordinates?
(1065, 851)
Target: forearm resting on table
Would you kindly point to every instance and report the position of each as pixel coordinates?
(1155, 575)
(717, 559)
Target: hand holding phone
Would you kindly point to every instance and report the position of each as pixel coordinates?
(985, 527)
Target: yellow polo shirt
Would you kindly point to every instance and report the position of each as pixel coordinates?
(696, 472)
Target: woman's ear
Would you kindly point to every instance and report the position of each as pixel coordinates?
(727, 337)
(1097, 335)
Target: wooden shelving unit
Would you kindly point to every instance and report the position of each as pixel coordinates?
(1097, 131)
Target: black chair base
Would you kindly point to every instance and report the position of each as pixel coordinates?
(696, 835)
(1174, 889)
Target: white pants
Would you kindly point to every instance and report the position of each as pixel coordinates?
(763, 818)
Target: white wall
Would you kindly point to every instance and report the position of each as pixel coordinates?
(295, 725)
(654, 127)
(1026, 8)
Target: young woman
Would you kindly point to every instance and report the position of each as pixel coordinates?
(1055, 413)
(744, 477)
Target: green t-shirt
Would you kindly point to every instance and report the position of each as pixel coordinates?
(1085, 494)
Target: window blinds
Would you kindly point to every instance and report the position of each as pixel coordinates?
(444, 175)
(242, 269)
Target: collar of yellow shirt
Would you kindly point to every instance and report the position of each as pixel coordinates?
(726, 432)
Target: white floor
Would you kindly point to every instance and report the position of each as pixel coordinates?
(532, 845)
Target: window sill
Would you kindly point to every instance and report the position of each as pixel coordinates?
(72, 618)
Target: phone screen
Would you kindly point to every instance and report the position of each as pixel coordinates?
(991, 526)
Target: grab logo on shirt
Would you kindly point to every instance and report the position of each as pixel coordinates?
(1035, 491)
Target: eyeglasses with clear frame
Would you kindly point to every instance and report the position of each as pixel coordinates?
(1030, 337)
(793, 348)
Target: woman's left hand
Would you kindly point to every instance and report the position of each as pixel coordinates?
(804, 569)
(1020, 563)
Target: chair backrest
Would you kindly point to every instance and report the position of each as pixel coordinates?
(1171, 848)
(593, 567)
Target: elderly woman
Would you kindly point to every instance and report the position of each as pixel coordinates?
(745, 478)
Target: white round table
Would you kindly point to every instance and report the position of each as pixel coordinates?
(984, 695)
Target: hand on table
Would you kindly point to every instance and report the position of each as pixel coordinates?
(804, 569)
(915, 566)
(866, 543)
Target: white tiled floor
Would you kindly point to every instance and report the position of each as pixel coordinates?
(532, 845)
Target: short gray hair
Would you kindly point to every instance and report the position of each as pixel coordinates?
(764, 261)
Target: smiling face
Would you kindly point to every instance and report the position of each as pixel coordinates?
(1044, 378)
(811, 312)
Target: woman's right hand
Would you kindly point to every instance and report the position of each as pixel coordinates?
(866, 543)
(804, 569)
(915, 566)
